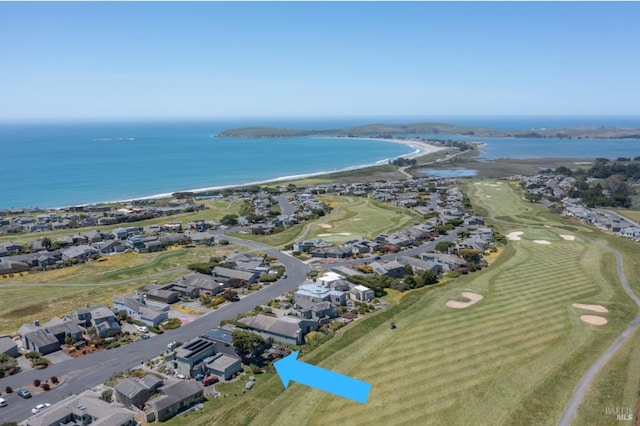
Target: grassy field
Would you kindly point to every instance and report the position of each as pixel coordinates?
(512, 358)
(47, 294)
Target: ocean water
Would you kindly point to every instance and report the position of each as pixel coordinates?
(61, 164)
(53, 164)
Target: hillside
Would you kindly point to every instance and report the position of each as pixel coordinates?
(379, 129)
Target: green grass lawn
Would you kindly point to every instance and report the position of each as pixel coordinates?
(512, 358)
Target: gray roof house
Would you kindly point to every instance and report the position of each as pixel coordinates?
(8, 347)
(83, 409)
(223, 340)
(134, 391)
(100, 317)
(176, 397)
(136, 307)
(48, 338)
(286, 329)
(224, 366)
(190, 358)
(421, 265)
(79, 252)
(226, 273)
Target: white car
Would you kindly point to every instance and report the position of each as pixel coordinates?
(142, 329)
(40, 407)
(3, 403)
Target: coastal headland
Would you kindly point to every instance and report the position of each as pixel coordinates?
(385, 130)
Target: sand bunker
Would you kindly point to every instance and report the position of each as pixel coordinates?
(487, 196)
(335, 233)
(325, 225)
(568, 237)
(593, 319)
(594, 308)
(541, 242)
(514, 236)
(473, 298)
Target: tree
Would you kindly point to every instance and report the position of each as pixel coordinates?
(230, 295)
(428, 277)
(248, 343)
(229, 220)
(443, 246)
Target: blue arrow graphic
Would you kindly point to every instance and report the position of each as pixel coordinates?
(289, 368)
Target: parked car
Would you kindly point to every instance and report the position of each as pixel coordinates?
(24, 393)
(142, 328)
(40, 407)
(3, 402)
(209, 380)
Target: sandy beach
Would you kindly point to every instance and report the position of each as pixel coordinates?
(421, 147)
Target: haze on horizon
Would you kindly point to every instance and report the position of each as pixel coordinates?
(218, 59)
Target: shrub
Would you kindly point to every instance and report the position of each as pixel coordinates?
(171, 323)
(45, 386)
(453, 274)
(106, 395)
(8, 389)
(54, 380)
(257, 370)
(36, 382)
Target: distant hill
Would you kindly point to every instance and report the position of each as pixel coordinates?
(381, 130)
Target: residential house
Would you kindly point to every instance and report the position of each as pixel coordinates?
(9, 247)
(136, 307)
(100, 317)
(189, 359)
(448, 262)
(136, 391)
(393, 269)
(175, 398)
(8, 347)
(247, 262)
(313, 293)
(84, 409)
(81, 252)
(227, 274)
(223, 340)
(287, 329)
(224, 366)
(310, 244)
(421, 265)
(362, 293)
(195, 284)
(48, 338)
(12, 267)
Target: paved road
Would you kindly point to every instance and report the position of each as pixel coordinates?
(585, 382)
(287, 208)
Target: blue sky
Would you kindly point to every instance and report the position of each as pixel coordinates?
(213, 59)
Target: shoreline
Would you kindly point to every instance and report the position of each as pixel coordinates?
(421, 148)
